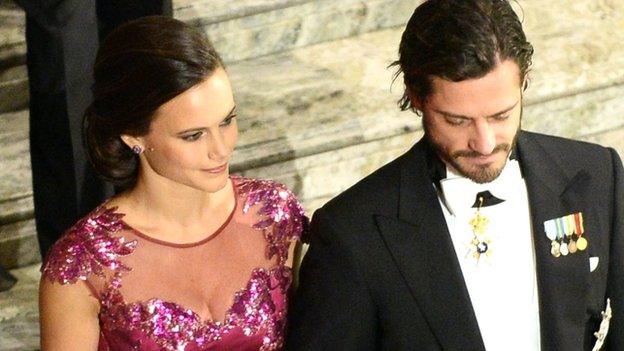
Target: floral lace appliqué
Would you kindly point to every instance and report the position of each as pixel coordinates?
(279, 208)
(89, 248)
(173, 327)
(258, 310)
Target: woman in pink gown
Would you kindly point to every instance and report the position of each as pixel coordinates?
(187, 257)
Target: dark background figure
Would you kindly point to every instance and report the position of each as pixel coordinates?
(62, 38)
(6, 280)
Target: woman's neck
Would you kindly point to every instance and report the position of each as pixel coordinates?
(167, 207)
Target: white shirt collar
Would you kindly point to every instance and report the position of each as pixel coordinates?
(459, 193)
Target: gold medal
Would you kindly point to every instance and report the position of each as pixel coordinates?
(554, 250)
(480, 241)
(572, 246)
(581, 243)
(479, 223)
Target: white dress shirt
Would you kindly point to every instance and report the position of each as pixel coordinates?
(502, 285)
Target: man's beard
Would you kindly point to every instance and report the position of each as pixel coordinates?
(477, 173)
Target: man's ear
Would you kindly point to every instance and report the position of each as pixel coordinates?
(415, 101)
(526, 82)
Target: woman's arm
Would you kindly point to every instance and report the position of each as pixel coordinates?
(68, 316)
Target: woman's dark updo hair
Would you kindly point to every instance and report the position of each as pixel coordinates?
(140, 66)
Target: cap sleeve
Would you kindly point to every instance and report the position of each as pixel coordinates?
(281, 216)
(88, 248)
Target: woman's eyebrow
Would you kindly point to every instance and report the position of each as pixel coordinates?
(197, 129)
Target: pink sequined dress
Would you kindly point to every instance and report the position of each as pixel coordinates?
(226, 292)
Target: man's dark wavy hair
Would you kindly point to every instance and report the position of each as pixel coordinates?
(458, 40)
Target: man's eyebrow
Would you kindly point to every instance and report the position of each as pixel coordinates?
(452, 115)
(232, 112)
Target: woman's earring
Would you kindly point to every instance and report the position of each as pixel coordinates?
(137, 150)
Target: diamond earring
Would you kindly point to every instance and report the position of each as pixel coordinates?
(137, 150)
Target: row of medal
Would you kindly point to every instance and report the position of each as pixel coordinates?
(566, 234)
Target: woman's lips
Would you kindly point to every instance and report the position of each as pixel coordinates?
(217, 170)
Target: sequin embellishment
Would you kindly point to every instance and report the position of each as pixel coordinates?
(258, 310)
(279, 208)
(173, 327)
(88, 248)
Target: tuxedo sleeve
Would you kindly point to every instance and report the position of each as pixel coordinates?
(332, 308)
(615, 287)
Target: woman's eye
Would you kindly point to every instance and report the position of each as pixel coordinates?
(193, 137)
(227, 121)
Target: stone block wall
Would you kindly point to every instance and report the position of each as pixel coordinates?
(316, 105)
(576, 92)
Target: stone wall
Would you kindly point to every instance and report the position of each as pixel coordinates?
(317, 111)
(352, 126)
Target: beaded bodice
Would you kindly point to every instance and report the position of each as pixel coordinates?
(227, 291)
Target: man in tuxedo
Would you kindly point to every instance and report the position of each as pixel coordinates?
(481, 236)
(62, 39)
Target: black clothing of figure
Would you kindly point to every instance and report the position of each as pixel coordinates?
(6, 280)
(62, 41)
(381, 272)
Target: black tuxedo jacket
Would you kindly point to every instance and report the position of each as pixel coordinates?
(381, 271)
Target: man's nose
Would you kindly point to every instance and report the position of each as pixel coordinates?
(483, 139)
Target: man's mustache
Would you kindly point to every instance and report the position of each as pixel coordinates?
(470, 153)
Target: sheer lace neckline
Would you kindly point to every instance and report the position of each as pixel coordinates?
(249, 294)
(199, 242)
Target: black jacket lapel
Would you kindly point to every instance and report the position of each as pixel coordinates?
(562, 281)
(420, 244)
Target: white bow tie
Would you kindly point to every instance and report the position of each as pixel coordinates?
(460, 192)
